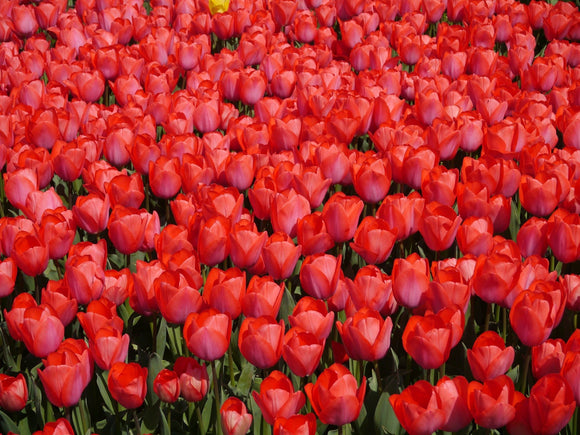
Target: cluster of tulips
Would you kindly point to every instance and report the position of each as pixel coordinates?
(296, 217)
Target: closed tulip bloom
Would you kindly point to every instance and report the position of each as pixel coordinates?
(235, 418)
(68, 372)
(109, 346)
(372, 179)
(126, 229)
(277, 397)
(372, 289)
(319, 275)
(492, 403)
(263, 297)
(335, 397)
(142, 293)
(57, 230)
(13, 392)
(366, 336)
(287, 209)
(428, 339)
(531, 317)
(571, 371)
(15, 316)
(539, 195)
(30, 254)
(91, 212)
(402, 212)
(302, 351)
(341, 214)
(312, 315)
(489, 357)
(213, 244)
(551, 404)
(410, 280)
(475, 236)
(126, 190)
(207, 334)
(453, 395)
(224, 290)
(280, 255)
(128, 384)
(438, 226)
(296, 425)
(548, 357)
(164, 177)
(252, 86)
(312, 235)
(8, 272)
(166, 386)
(177, 297)
(99, 314)
(260, 341)
(41, 330)
(374, 240)
(563, 231)
(494, 276)
(85, 278)
(193, 378)
(418, 408)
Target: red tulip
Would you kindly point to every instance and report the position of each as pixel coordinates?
(366, 336)
(453, 396)
(341, 214)
(207, 334)
(13, 392)
(418, 408)
(213, 243)
(260, 341)
(87, 86)
(177, 296)
(297, 424)
(319, 275)
(91, 212)
(495, 276)
(68, 372)
(224, 290)
(246, 244)
(193, 378)
(263, 297)
(372, 179)
(313, 316)
(100, 314)
(252, 86)
(438, 226)
(142, 293)
(287, 209)
(374, 240)
(372, 289)
(410, 280)
(8, 272)
(402, 212)
(235, 418)
(164, 177)
(548, 357)
(302, 351)
(85, 278)
(335, 397)
(277, 397)
(428, 339)
(563, 228)
(492, 404)
(531, 317)
(117, 284)
(128, 384)
(108, 345)
(312, 235)
(489, 357)
(280, 255)
(126, 190)
(166, 386)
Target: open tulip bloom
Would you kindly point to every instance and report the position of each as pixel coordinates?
(281, 217)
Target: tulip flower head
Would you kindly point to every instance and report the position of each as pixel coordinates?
(218, 6)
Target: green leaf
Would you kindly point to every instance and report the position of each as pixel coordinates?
(246, 379)
(104, 390)
(206, 415)
(7, 424)
(385, 419)
(287, 305)
(161, 339)
(155, 366)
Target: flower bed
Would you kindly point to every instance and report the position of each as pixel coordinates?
(278, 216)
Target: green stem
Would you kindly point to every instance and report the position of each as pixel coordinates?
(525, 369)
(216, 393)
(231, 366)
(137, 423)
(339, 430)
(199, 420)
(378, 375)
(487, 316)
(442, 371)
(504, 323)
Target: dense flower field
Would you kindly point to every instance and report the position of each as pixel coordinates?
(289, 217)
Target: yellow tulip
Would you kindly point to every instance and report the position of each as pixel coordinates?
(218, 6)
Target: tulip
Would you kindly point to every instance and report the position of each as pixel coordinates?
(489, 357)
(280, 255)
(341, 214)
(60, 426)
(372, 179)
(302, 351)
(19, 184)
(335, 397)
(193, 378)
(117, 284)
(374, 240)
(319, 275)
(224, 290)
(176, 296)
(100, 314)
(235, 418)
(57, 230)
(30, 254)
(453, 395)
(297, 424)
(8, 272)
(13, 392)
(246, 244)
(402, 212)
(410, 280)
(213, 243)
(91, 212)
(287, 209)
(418, 408)
(263, 297)
(428, 339)
(366, 336)
(260, 341)
(312, 235)
(41, 330)
(372, 289)
(166, 386)
(312, 315)
(492, 404)
(142, 293)
(68, 372)
(551, 404)
(495, 276)
(108, 346)
(277, 397)
(164, 177)
(128, 384)
(531, 317)
(207, 334)
(548, 357)
(438, 226)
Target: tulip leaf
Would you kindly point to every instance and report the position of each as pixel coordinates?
(163, 426)
(155, 366)
(385, 419)
(7, 424)
(515, 222)
(161, 339)
(206, 415)
(287, 305)
(105, 392)
(245, 380)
